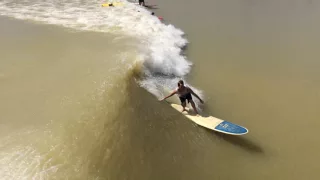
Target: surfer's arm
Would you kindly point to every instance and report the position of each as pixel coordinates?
(173, 93)
(193, 93)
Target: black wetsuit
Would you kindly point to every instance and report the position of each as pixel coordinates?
(141, 1)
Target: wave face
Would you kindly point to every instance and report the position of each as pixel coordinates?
(81, 140)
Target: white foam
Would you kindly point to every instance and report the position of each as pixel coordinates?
(160, 44)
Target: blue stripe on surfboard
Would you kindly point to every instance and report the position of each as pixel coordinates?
(229, 127)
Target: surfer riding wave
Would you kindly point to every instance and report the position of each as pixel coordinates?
(184, 94)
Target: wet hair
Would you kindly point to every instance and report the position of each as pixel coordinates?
(180, 83)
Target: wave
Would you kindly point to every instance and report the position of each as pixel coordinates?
(159, 45)
(158, 64)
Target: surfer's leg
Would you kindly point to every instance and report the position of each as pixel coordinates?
(183, 103)
(184, 106)
(193, 106)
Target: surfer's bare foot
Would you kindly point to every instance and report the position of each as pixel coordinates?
(183, 110)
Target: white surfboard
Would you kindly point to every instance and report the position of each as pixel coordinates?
(211, 122)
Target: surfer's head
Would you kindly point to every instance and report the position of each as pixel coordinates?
(180, 83)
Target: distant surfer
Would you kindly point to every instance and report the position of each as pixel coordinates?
(184, 94)
(141, 3)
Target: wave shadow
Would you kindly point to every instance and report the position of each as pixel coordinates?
(240, 142)
(151, 6)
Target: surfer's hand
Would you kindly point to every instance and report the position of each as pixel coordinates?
(161, 99)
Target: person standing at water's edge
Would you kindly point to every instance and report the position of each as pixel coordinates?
(141, 2)
(184, 94)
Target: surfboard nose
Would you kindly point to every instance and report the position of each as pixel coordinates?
(229, 127)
